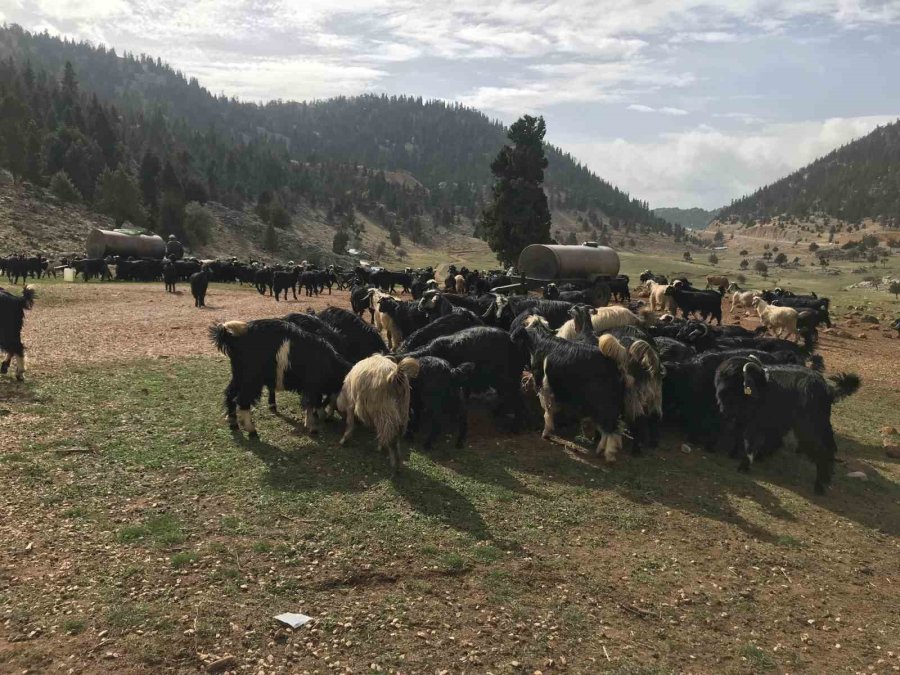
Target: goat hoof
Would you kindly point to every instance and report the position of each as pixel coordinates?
(253, 435)
(234, 426)
(4, 368)
(273, 408)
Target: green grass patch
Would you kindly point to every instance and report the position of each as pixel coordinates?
(183, 559)
(163, 530)
(74, 626)
(758, 660)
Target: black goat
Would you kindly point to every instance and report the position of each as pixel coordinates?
(89, 268)
(438, 393)
(498, 362)
(556, 313)
(448, 324)
(766, 402)
(705, 303)
(647, 275)
(199, 284)
(170, 276)
(407, 317)
(282, 282)
(280, 356)
(618, 285)
(435, 303)
(362, 339)
(360, 302)
(689, 393)
(12, 318)
(577, 377)
(264, 279)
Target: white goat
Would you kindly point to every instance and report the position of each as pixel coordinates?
(659, 301)
(384, 322)
(603, 318)
(376, 392)
(782, 321)
(743, 298)
(460, 282)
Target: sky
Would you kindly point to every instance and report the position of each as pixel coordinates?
(678, 102)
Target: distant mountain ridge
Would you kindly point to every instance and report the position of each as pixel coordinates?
(695, 217)
(857, 181)
(335, 155)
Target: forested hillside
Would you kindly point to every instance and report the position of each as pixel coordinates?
(696, 218)
(100, 127)
(857, 181)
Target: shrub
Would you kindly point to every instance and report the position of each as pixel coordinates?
(339, 242)
(198, 224)
(63, 187)
(713, 259)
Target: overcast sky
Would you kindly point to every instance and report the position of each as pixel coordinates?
(679, 102)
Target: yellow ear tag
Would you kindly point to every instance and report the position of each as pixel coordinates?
(748, 391)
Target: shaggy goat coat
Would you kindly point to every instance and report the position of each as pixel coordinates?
(12, 318)
(280, 356)
(376, 392)
(603, 318)
(765, 402)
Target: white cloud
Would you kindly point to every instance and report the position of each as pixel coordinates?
(267, 80)
(707, 167)
(665, 110)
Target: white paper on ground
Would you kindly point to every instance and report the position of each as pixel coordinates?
(293, 620)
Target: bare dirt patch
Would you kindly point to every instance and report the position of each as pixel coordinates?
(83, 323)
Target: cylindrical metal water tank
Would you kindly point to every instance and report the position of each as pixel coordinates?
(101, 243)
(550, 261)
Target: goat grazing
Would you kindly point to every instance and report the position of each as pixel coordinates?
(448, 324)
(376, 392)
(280, 356)
(439, 392)
(578, 377)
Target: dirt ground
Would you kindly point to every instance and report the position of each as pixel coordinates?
(138, 536)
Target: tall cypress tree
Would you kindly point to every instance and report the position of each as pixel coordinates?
(518, 215)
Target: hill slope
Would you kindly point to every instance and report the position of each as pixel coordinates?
(860, 180)
(695, 218)
(416, 168)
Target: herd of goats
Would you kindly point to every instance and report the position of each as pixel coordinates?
(619, 371)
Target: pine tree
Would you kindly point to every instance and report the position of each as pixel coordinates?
(339, 242)
(13, 144)
(33, 155)
(270, 241)
(119, 196)
(518, 215)
(149, 181)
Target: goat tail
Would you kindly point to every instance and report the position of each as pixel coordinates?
(223, 335)
(408, 367)
(28, 296)
(843, 385)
